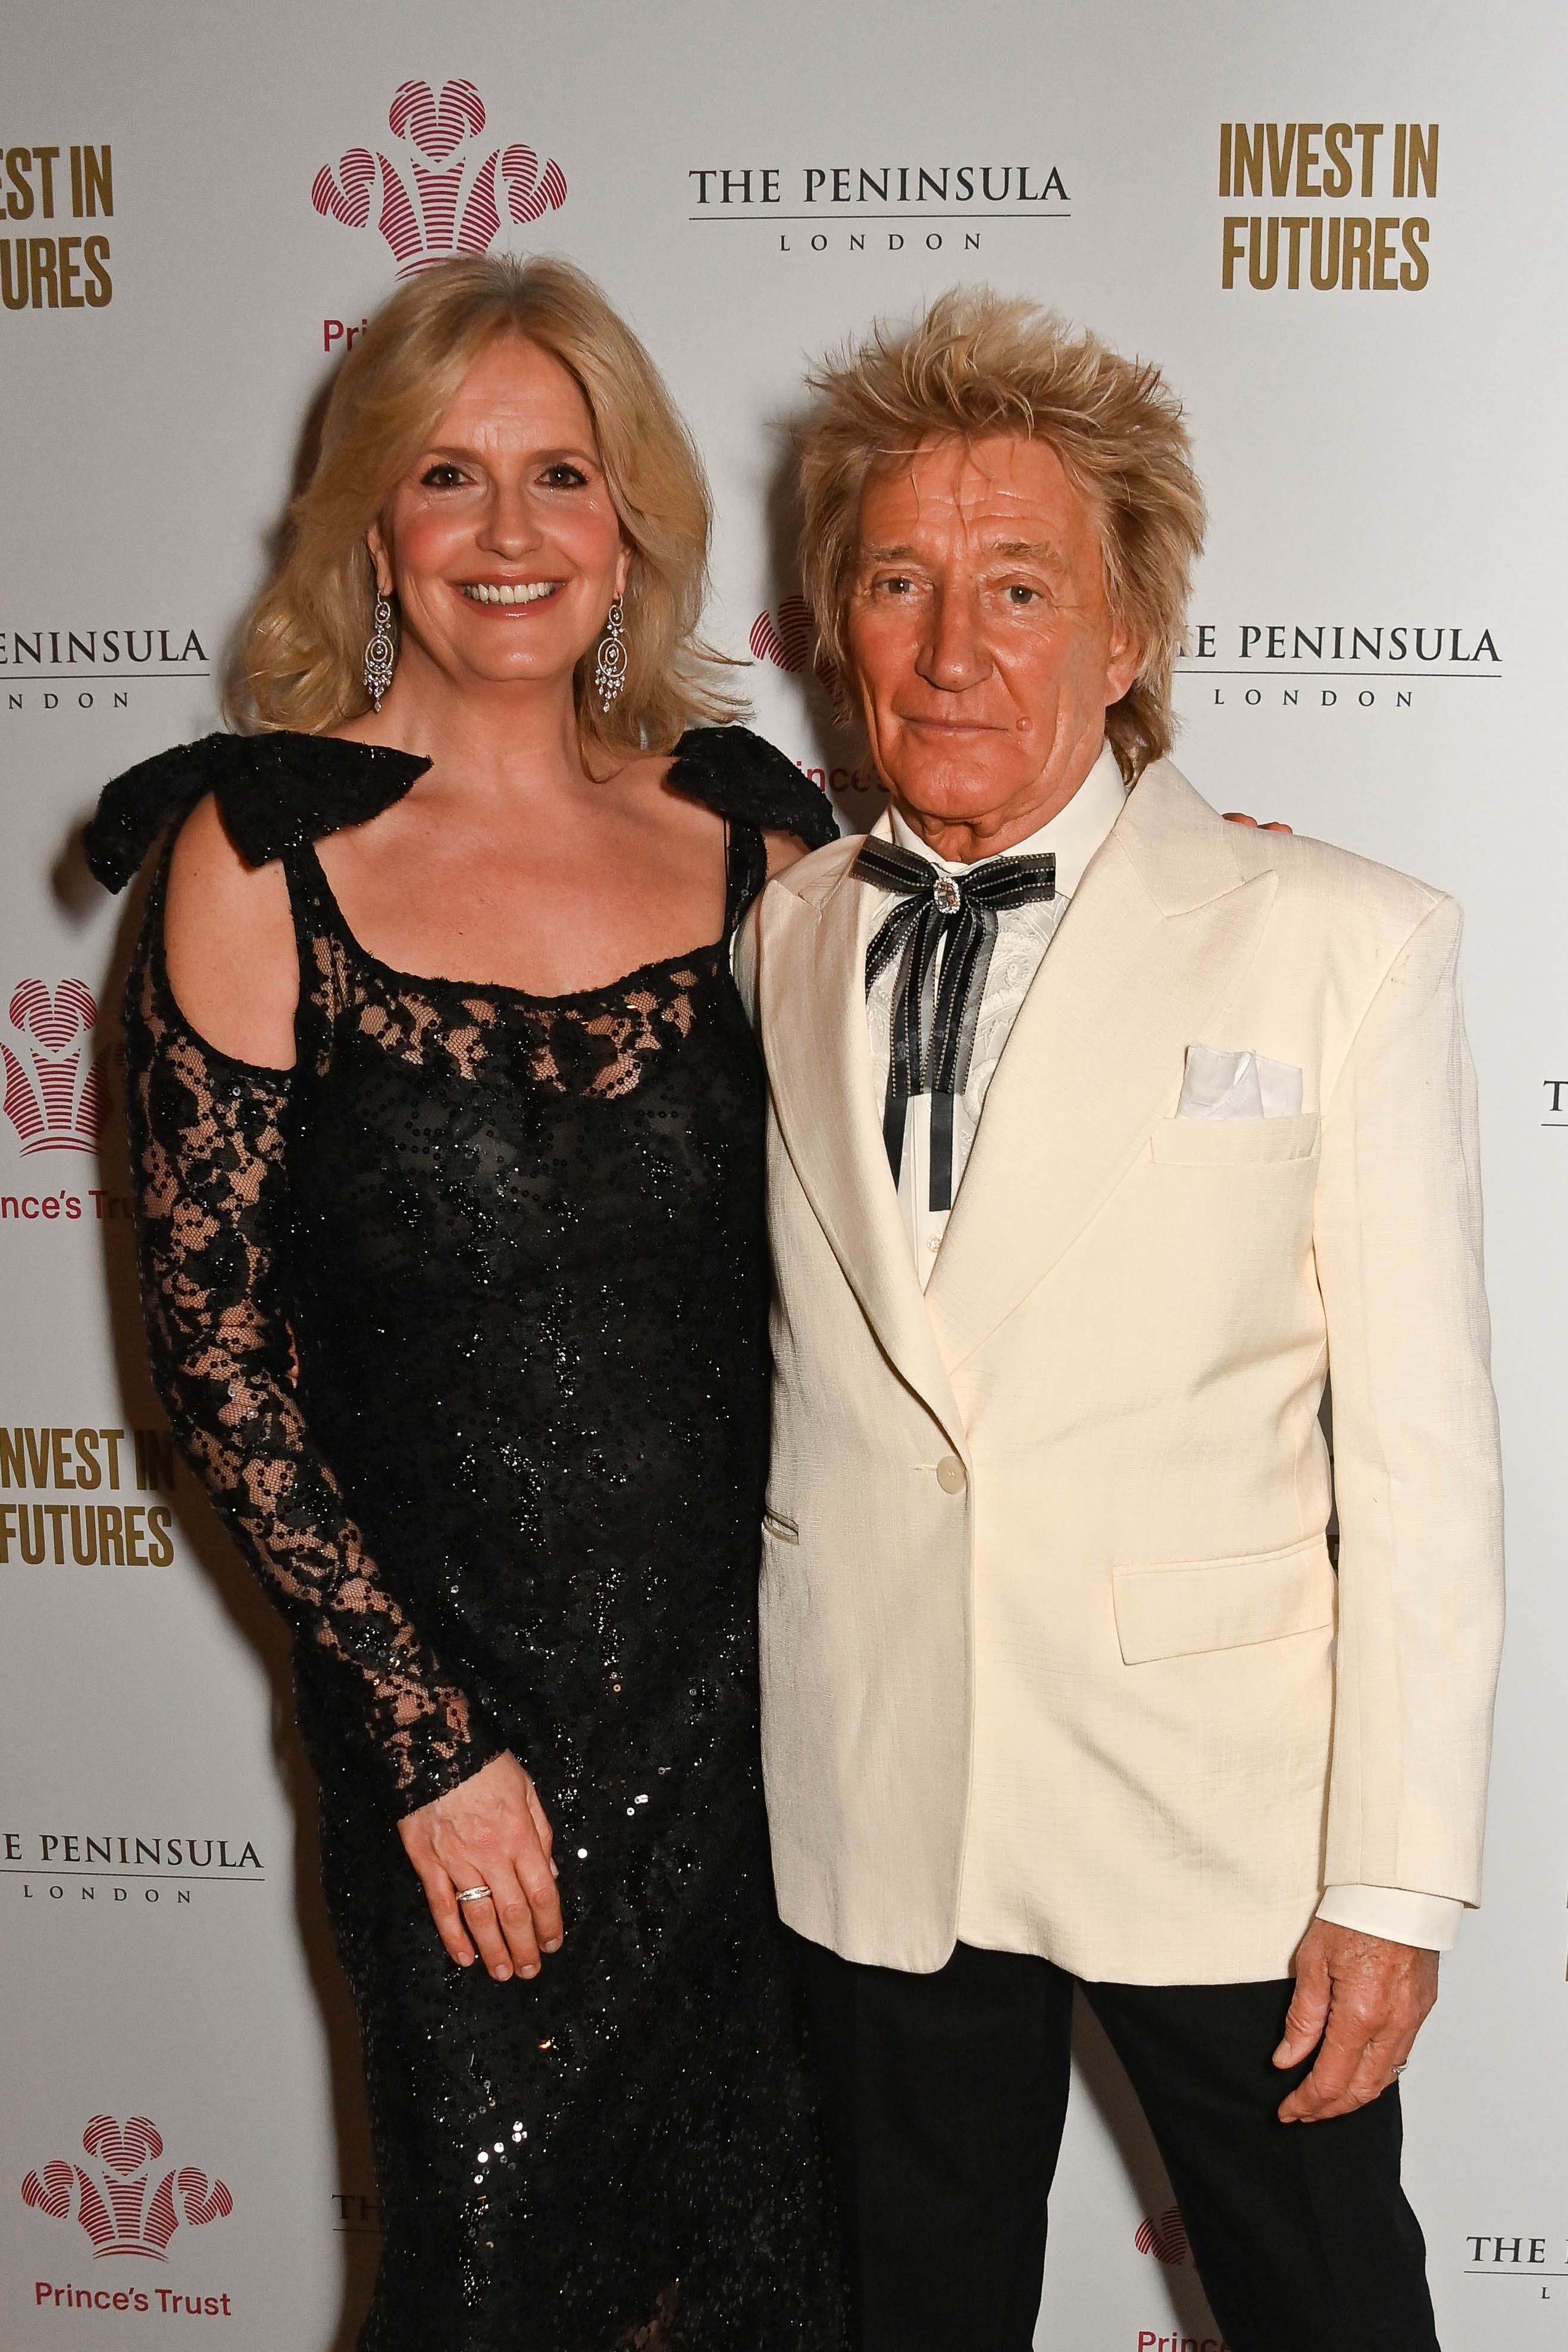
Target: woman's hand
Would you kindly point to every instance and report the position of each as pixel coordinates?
(490, 1830)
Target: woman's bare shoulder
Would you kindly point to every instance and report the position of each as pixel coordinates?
(228, 944)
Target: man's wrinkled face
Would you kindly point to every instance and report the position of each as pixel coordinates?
(980, 639)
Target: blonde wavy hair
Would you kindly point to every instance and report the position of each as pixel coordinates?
(979, 363)
(299, 659)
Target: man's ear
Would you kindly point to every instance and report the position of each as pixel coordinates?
(1122, 667)
(380, 560)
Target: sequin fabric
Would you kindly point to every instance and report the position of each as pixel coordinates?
(463, 1321)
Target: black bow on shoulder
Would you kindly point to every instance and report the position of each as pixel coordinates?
(274, 791)
(934, 1015)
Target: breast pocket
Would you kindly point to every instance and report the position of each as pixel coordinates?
(1235, 1142)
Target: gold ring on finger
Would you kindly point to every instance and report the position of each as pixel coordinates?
(476, 1895)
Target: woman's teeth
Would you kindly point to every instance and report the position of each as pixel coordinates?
(525, 593)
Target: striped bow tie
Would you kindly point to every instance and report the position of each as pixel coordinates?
(934, 1015)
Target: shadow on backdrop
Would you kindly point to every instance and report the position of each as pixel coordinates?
(250, 1615)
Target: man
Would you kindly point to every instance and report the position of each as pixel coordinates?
(1101, 1131)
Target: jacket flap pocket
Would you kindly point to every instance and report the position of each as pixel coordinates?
(1234, 1142)
(1223, 1604)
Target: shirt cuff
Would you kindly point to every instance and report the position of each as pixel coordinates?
(1428, 1921)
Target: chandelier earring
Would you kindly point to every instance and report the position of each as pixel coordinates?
(380, 653)
(610, 669)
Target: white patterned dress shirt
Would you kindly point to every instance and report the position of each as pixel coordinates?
(1023, 935)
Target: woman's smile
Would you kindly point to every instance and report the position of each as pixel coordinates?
(507, 594)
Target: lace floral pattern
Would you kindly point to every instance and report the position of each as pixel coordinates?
(594, 1046)
(207, 1139)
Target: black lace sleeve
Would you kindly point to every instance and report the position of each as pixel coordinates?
(209, 1174)
(737, 772)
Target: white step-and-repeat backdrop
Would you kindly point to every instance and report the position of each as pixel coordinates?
(1340, 230)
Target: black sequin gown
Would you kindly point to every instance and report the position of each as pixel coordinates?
(511, 1500)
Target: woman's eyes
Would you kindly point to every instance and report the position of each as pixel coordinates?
(447, 477)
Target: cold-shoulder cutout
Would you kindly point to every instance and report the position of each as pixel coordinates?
(275, 792)
(742, 776)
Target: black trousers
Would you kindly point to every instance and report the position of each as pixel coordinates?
(946, 2100)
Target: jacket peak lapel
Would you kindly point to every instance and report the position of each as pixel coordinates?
(813, 925)
(1158, 933)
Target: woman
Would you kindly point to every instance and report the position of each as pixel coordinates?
(446, 1127)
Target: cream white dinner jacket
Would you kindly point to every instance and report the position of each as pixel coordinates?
(1052, 1654)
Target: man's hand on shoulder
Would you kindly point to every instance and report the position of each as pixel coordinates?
(1364, 2000)
(1275, 824)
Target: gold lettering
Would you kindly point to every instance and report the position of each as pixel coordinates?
(41, 267)
(1413, 273)
(1369, 134)
(19, 163)
(1325, 265)
(1337, 173)
(1382, 231)
(1259, 278)
(1423, 176)
(96, 254)
(1295, 224)
(1248, 178)
(70, 270)
(46, 158)
(1280, 160)
(99, 173)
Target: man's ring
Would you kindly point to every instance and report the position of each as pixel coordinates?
(476, 1895)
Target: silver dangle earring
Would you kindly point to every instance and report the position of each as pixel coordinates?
(610, 669)
(379, 654)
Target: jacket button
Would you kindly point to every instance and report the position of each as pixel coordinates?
(950, 1474)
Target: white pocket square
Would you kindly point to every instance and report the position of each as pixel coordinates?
(1238, 1086)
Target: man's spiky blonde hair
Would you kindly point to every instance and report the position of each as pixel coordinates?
(978, 364)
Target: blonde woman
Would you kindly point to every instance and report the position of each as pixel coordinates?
(447, 1132)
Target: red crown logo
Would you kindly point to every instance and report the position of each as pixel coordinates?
(785, 638)
(1165, 2239)
(457, 192)
(61, 1102)
(117, 2203)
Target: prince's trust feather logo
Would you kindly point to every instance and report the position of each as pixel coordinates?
(445, 195)
(1163, 2235)
(55, 1098)
(125, 2201)
(784, 638)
